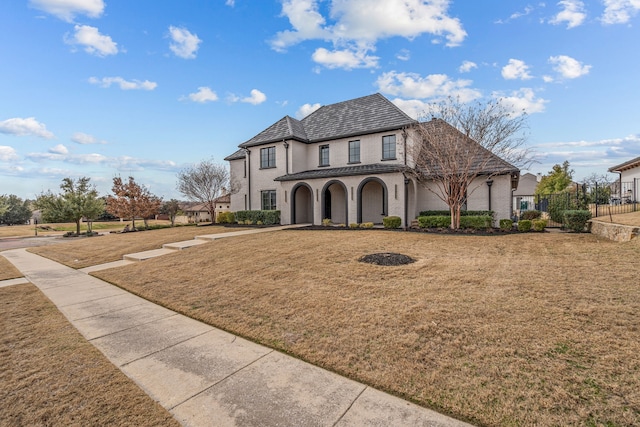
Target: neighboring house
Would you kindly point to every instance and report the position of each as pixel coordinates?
(523, 196)
(195, 213)
(345, 162)
(223, 204)
(628, 188)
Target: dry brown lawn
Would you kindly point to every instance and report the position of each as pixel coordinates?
(80, 252)
(534, 329)
(624, 219)
(7, 270)
(51, 376)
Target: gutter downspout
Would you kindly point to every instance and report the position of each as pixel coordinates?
(286, 163)
(248, 153)
(406, 182)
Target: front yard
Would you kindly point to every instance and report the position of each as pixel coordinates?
(523, 329)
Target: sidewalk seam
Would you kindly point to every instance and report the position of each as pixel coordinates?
(132, 327)
(350, 406)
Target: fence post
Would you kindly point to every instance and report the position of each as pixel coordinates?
(597, 197)
(635, 194)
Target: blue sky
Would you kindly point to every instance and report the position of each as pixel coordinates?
(104, 88)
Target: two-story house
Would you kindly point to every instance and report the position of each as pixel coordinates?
(347, 162)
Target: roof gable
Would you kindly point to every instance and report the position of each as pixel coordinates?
(285, 128)
(633, 163)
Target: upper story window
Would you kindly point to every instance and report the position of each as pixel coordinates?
(268, 157)
(354, 151)
(268, 200)
(324, 155)
(389, 147)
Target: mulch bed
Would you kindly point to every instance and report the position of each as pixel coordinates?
(387, 259)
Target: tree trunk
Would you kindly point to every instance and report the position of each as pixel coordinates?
(78, 226)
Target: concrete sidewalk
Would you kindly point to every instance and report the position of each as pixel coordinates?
(205, 376)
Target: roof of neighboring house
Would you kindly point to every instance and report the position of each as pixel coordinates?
(226, 198)
(633, 163)
(369, 169)
(360, 116)
(527, 185)
(195, 208)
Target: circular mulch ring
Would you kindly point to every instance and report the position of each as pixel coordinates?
(387, 258)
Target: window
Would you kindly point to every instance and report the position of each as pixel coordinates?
(354, 151)
(324, 155)
(269, 200)
(389, 147)
(268, 157)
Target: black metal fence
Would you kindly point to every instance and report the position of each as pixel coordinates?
(602, 199)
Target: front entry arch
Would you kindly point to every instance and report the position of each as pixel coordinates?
(301, 204)
(372, 200)
(334, 202)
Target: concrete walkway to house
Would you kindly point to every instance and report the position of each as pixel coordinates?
(205, 376)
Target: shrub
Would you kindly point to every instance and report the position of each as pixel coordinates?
(506, 224)
(539, 224)
(531, 215)
(462, 213)
(366, 225)
(326, 222)
(354, 225)
(576, 220)
(524, 225)
(267, 217)
(477, 222)
(434, 221)
(226, 218)
(392, 222)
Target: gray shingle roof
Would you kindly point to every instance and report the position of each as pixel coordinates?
(239, 154)
(360, 116)
(369, 169)
(626, 165)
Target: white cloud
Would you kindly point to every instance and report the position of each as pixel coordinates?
(7, 154)
(414, 108)
(59, 149)
(94, 43)
(306, 109)
(25, 127)
(346, 59)
(516, 15)
(523, 100)
(85, 139)
(357, 25)
(184, 44)
(403, 55)
(256, 97)
(411, 85)
(467, 66)
(572, 13)
(516, 69)
(124, 84)
(619, 11)
(204, 94)
(230, 3)
(68, 9)
(568, 67)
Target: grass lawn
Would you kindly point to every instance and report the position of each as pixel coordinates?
(51, 376)
(87, 251)
(533, 329)
(624, 219)
(7, 270)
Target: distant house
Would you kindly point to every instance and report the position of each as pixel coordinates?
(195, 213)
(345, 162)
(523, 196)
(628, 188)
(223, 204)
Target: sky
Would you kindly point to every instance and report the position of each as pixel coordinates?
(147, 88)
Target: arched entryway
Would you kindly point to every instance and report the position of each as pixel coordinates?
(334, 202)
(301, 204)
(372, 200)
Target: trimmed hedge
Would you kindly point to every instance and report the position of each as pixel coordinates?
(392, 222)
(576, 220)
(539, 224)
(226, 218)
(264, 217)
(462, 213)
(524, 225)
(506, 224)
(477, 222)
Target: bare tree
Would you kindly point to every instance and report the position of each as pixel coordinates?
(204, 182)
(462, 143)
(130, 200)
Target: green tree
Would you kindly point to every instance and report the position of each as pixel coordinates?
(4, 204)
(558, 180)
(16, 210)
(77, 200)
(171, 208)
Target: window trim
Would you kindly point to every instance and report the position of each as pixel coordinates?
(273, 202)
(321, 149)
(270, 157)
(395, 147)
(351, 160)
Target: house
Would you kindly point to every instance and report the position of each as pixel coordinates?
(345, 162)
(194, 213)
(523, 196)
(222, 204)
(628, 188)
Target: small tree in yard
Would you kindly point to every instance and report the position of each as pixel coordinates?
(130, 200)
(171, 208)
(77, 200)
(14, 210)
(204, 182)
(462, 143)
(558, 180)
